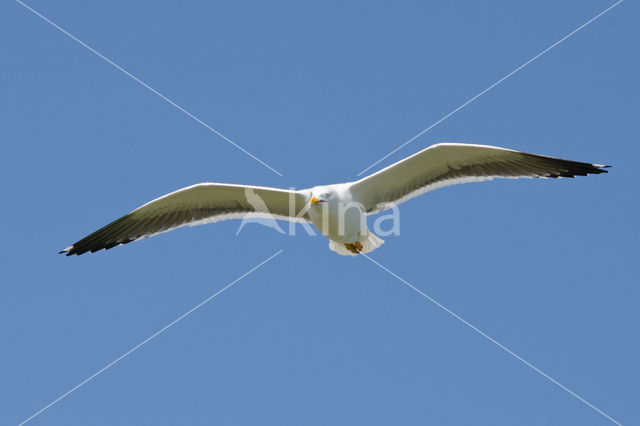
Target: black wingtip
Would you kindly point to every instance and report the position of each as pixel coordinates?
(67, 251)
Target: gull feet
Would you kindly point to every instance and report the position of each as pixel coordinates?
(354, 247)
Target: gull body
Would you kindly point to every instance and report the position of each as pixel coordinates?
(340, 217)
(328, 214)
(338, 211)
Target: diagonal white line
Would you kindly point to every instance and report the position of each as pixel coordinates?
(492, 86)
(492, 340)
(146, 86)
(136, 347)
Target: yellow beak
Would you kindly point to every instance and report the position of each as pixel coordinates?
(313, 201)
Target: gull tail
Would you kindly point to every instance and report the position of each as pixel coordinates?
(369, 241)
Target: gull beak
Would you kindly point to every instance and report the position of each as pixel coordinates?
(314, 200)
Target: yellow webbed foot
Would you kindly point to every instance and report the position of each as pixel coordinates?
(354, 247)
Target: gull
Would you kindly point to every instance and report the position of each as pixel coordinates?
(338, 211)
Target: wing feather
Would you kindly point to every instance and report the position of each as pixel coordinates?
(453, 163)
(194, 205)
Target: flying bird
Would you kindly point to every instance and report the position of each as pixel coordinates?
(338, 211)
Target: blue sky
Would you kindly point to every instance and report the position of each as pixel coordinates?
(318, 91)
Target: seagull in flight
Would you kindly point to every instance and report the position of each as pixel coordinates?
(338, 211)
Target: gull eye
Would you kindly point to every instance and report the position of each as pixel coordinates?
(326, 194)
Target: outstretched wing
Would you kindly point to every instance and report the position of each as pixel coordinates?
(447, 164)
(195, 205)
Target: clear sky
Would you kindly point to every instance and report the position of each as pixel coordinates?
(318, 91)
